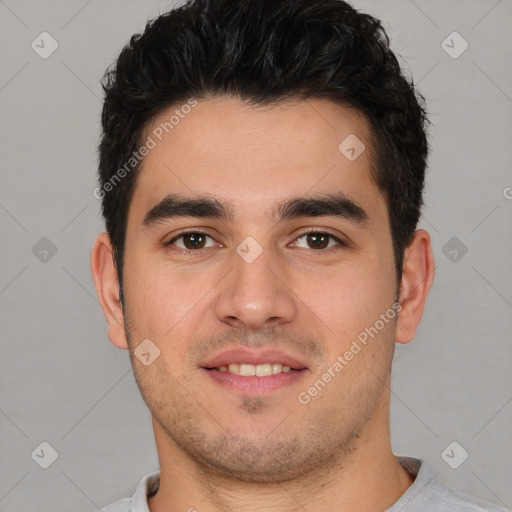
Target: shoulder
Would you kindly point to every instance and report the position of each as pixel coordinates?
(426, 494)
(446, 498)
(139, 501)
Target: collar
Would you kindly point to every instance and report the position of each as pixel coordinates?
(147, 487)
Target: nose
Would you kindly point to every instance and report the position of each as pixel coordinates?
(254, 295)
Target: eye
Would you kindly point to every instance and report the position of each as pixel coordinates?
(318, 240)
(196, 240)
(191, 241)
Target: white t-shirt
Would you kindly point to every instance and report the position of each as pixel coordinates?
(424, 495)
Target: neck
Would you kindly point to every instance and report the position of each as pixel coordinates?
(365, 476)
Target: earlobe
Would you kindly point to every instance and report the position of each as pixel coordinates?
(417, 278)
(105, 279)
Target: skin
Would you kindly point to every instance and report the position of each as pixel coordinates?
(220, 450)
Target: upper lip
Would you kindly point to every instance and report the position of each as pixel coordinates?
(255, 357)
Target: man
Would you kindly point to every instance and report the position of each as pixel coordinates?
(261, 173)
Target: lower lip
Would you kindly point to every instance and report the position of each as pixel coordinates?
(254, 385)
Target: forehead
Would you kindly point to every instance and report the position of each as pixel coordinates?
(256, 156)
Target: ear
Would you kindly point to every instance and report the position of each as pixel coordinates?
(105, 280)
(417, 278)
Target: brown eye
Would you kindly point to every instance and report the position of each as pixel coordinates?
(191, 241)
(318, 240)
(194, 241)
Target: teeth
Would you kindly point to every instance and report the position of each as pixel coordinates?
(234, 368)
(250, 370)
(247, 370)
(262, 370)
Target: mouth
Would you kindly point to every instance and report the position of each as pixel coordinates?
(251, 370)
(254, 372)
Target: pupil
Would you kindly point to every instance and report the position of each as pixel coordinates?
(318, 241)
(194, 241)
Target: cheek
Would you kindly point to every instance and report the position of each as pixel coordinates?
(158, 291)
(155, 313)
(349, 299)
(165, 306)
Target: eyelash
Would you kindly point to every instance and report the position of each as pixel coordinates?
(191, 252)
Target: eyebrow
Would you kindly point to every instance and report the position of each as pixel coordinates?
(332, 205)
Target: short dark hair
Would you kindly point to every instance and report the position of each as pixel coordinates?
(264, 52)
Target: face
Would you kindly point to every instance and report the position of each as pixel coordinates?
(253, 241)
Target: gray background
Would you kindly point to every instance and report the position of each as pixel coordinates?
(63, 382)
